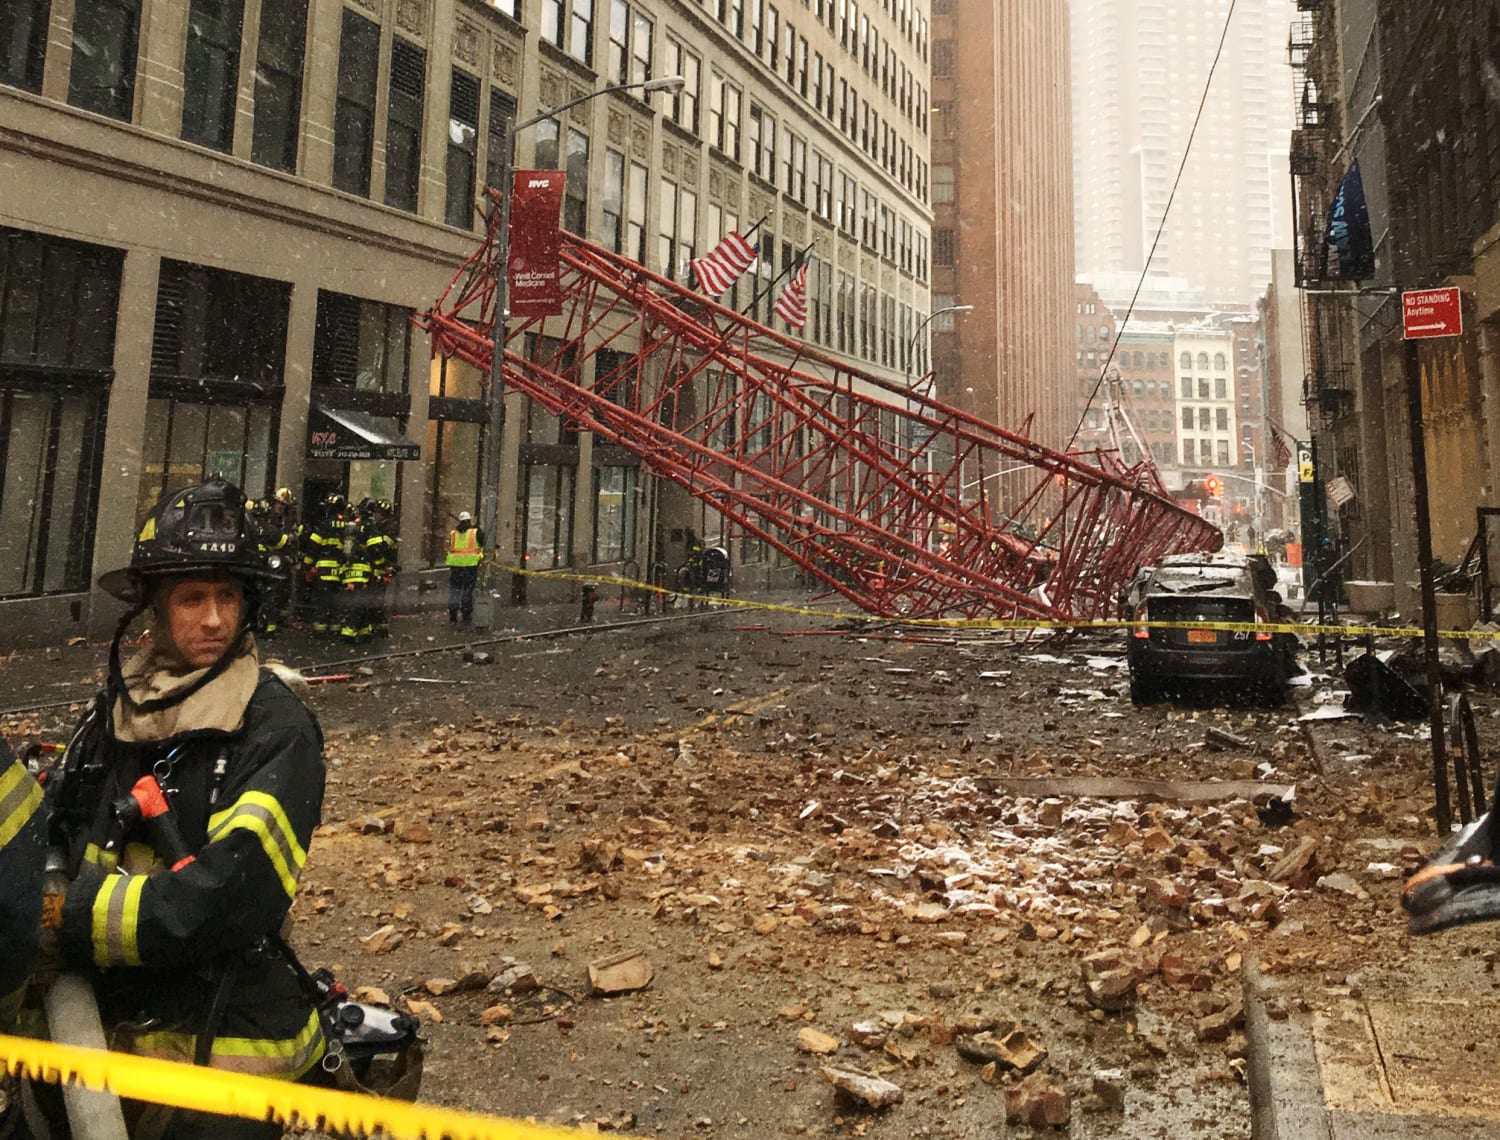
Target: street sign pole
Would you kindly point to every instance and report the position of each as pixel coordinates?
(1426, 314)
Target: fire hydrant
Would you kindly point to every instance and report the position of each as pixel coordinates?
(590, 597)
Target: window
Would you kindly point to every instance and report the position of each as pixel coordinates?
(614, 513)
(1187, 388)
(403, 131)
(278, 83)
(682, 62)
(724, 116)
(612, 233)
(1219, 365)
(105, 42)
(773, 37)
(942, 247)
(823, 186)
(1222, 452)
(1221, 388)
(217, 360)
(211, 72)
(1203, 362)
(1187, 419)
(463, 135)
(1202, 389)
(511, 8)
(802, 66)
(1204, 419)
(57, 337)
(1186, 361)
(635, 217)
(757, 26)
(569, 24)
(576, 186)
(794, 166)
(23, 43)
(942, 59)
(762, 143)
(631, 40)
(678, 215)
(549, 515)
(942, 184)
(497, 142)
(547, 153)
(360, 344)
(1221, 419)
(354, 108)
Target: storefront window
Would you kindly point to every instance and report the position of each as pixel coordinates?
(58, 301)
(549, 516)
(188, 441)
(614, 513)
(50, 444)
(452, 481)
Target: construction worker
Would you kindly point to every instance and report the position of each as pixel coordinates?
(465, 549)
(323, 563)
(184, 807)
(357, 577)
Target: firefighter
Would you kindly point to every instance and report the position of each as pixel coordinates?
(173, 910)
(357, 578)
(465, 547)
(382, 546)
(323, 563)
(280, 548)
(22, 854)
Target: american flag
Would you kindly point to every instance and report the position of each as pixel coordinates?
(791, 305)
(1281, 454)
(718, 272)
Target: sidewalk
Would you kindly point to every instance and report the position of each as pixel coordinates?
(1403, 1048)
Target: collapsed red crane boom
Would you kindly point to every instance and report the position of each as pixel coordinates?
(901, 503)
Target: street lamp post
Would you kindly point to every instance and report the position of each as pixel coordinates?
(911, 356)
(489, 447)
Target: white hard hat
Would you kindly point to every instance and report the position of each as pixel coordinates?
(465, 516)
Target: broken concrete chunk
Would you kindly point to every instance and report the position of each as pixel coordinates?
(514, 978)
(867, 1034)
(621, 973)
(1218, 1026)
(1109, 1088)
(872, 1092)
(1038, 1102)
(381, 941)
(1016, 1050)
(1110, 981)
(815, 1041)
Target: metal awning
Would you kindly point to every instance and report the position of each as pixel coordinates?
(340, 434)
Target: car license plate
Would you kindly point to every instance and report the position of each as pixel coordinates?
(1202, 637)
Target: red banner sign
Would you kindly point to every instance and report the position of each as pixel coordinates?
(535, 206)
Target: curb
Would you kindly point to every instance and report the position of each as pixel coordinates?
(1286, 1090)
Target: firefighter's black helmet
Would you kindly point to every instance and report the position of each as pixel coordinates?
(193, 529)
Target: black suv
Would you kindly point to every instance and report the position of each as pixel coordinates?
(1208, 588)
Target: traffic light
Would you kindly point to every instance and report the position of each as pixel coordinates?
(1214, 486)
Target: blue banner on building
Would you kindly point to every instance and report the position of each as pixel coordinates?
(1349, 247)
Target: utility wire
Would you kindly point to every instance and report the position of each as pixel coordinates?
(1160, 229)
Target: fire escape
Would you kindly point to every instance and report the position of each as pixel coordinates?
(902, 504)
(1329, 386)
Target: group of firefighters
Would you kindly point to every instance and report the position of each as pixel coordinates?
(343, 554)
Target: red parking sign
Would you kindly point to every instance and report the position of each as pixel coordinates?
(1431, 313)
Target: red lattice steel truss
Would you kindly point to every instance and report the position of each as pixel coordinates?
(908, 507)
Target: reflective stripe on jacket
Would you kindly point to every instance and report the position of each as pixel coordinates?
(463, 547)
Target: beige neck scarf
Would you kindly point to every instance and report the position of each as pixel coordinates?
(158, 671)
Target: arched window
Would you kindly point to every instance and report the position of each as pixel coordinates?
(1219, 361)
(1103, 332)
(1140, 360)
(1187, 361)
(1203, 361)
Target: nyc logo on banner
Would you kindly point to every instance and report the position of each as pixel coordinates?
(535, 244)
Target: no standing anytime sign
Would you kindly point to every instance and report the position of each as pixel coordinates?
(1429, 313)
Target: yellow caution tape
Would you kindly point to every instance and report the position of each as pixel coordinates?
(1013, 623)
(255, 1098)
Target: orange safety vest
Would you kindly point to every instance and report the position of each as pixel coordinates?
(463, 547)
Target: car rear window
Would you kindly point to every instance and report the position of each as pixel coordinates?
(1165, 607)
